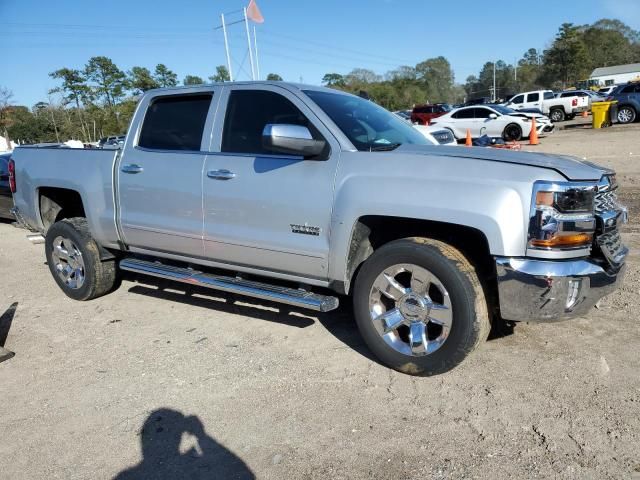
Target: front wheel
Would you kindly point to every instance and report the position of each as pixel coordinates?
(512, 132)
(419, 306)
(74, 260)
(626, 114)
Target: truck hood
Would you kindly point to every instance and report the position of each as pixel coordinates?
(570, 167)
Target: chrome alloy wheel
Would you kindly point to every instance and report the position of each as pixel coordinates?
(68, 262)
(625, 115)
(410, 309)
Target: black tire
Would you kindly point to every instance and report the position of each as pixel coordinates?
(512, 132)
(470, 320)
(557, 115)
(100, 277)
(626, 114)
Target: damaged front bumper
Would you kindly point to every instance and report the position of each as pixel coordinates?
(548, 290)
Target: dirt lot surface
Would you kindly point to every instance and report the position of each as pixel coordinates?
(152, 383)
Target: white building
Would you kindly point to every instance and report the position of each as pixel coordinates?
(607, 76)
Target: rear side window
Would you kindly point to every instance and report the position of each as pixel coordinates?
(628, 89)
(175, 122)
(466, 113)
(549, 95)
(533, 97)
(248, 112)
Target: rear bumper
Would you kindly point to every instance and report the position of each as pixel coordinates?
(546, 291)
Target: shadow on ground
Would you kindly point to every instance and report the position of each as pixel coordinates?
(176, 446)
(340, 323)
(5, 325)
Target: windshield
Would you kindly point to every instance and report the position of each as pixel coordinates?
(368, 126)
(503, 110)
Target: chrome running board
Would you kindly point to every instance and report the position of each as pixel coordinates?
(290, 296)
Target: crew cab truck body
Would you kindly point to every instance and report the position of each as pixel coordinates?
(557, 109)
(302, 194)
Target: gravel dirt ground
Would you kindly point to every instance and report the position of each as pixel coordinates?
(153, 382)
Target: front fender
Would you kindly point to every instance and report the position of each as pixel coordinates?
(489, 197)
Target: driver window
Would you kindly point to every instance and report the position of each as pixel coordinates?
(518, 99)
(248, 111)
(483, 112)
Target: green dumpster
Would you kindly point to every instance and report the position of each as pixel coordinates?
(601, 114)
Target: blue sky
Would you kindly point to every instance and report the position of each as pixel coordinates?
(300, 40)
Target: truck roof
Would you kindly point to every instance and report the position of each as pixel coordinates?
(289, 85)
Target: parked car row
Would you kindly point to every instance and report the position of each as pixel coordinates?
(493, 121)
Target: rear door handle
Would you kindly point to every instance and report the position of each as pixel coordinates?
(131, 168)
(221, 174)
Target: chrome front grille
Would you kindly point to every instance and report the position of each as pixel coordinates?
(609, 215)
(612, 247)
(606, 200)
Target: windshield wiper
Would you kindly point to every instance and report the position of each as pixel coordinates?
(384, 147)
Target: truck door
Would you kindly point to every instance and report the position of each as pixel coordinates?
(533, 100)
(516, 103)
(160, 174)
(265, 210)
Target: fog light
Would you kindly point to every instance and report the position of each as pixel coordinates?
(573, 293)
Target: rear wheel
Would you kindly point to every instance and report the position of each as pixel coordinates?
(626, 114)
(557, 115)
(74, 260)
(512, 132)
(419, 306)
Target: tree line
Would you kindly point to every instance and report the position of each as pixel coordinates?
(100, 98)
(573, 54)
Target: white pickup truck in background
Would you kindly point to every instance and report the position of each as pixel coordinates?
(557, 109)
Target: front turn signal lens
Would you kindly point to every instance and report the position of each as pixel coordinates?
(574, 240)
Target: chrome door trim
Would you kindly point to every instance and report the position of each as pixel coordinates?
(233, 267)
(222, 174)
(131, 168)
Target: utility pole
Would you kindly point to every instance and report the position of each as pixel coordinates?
(226, 47)
(494, 81)
(246, 24)
(255, 45)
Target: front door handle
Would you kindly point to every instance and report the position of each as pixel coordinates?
(131, 168)
(221, 174)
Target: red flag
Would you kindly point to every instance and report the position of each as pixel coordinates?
(253, 12)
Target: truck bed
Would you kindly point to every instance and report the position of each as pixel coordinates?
(86, 171)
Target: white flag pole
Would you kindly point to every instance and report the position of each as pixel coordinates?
(255, 45)
(246, 25)
(226, 47)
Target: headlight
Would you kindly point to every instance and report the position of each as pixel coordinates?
(562, 219)
(443, 136)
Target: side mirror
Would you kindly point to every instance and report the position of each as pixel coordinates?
(493, 116)
(291, 139)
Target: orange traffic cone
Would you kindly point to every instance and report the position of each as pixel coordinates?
(533, 136)
(468, 142)
(585, 114)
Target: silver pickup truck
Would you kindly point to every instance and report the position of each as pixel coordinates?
(304, 195)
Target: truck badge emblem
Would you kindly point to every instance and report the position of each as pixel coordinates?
(305, 229)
